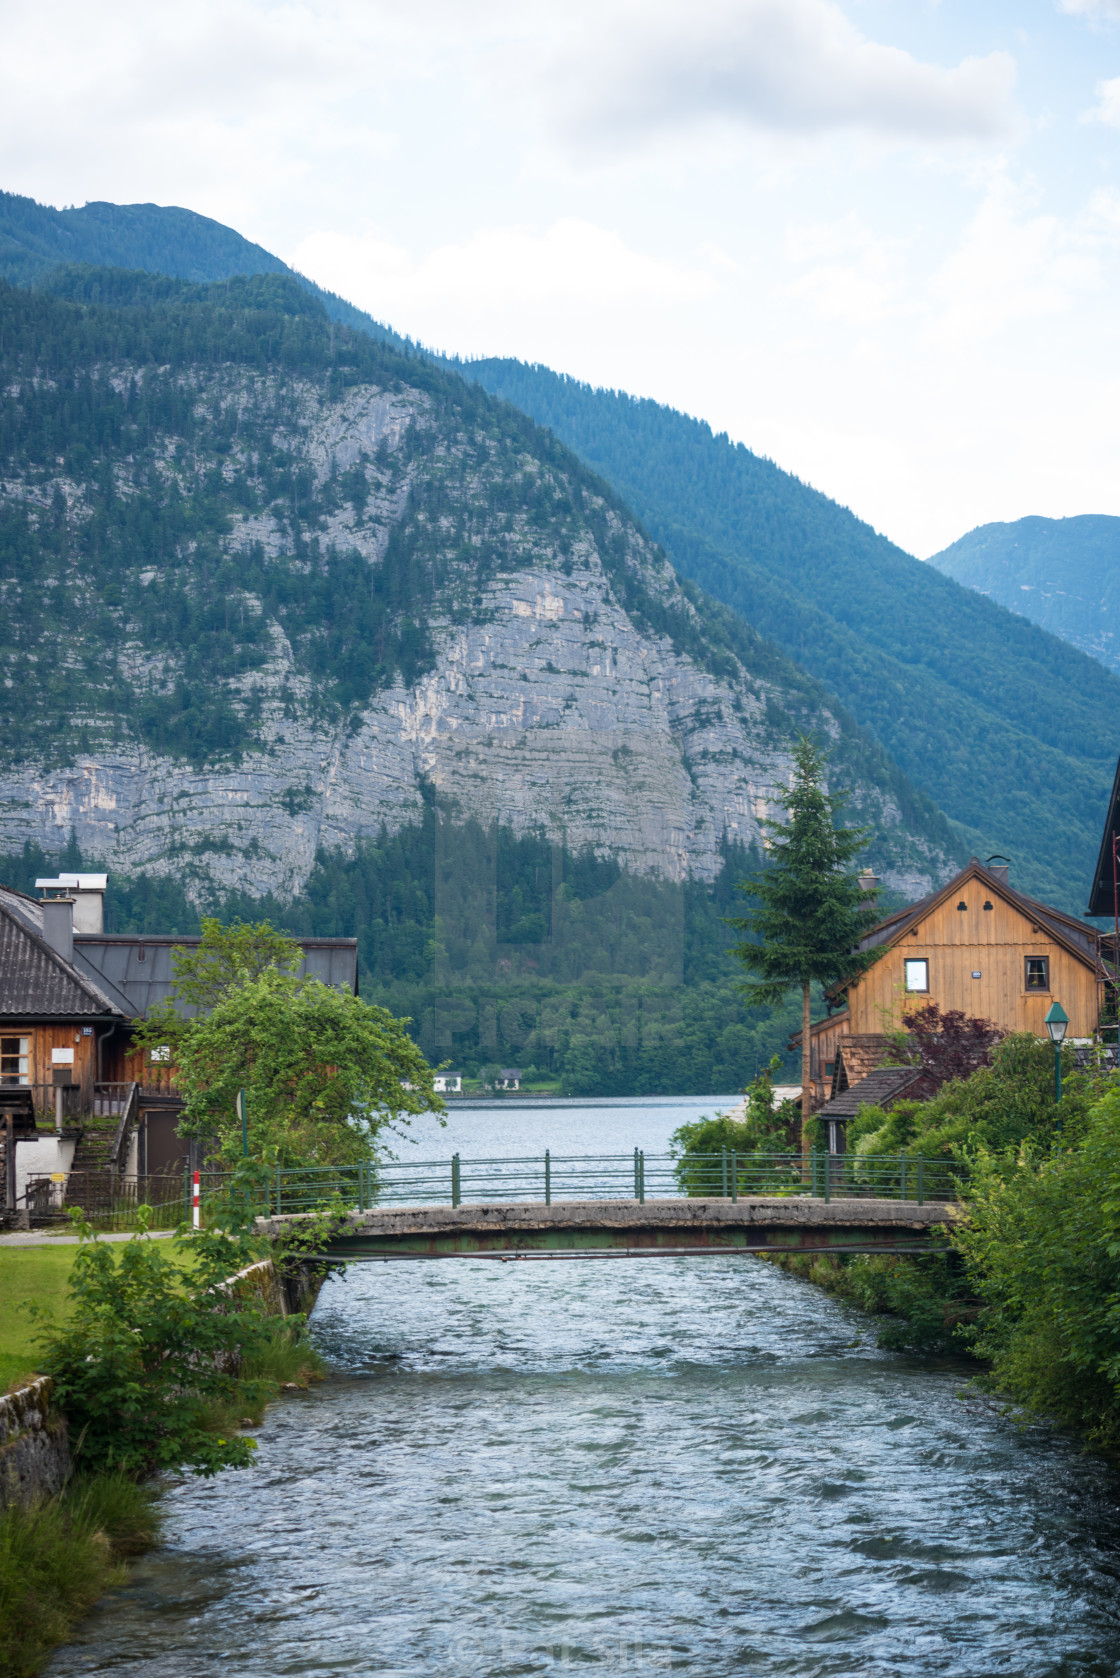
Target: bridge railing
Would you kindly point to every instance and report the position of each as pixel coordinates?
(639, 1176)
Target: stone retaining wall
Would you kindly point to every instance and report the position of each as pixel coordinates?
(34, 1448)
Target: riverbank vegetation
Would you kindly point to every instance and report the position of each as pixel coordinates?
(1029, 1283)
(158, 1364)
(59, 1556)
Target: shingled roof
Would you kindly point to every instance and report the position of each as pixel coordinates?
(35, 982)
(857, 1054)
(881, 1088)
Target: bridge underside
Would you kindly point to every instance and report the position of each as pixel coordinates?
(628, 1229)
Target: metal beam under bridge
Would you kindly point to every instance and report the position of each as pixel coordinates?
(628, 1228)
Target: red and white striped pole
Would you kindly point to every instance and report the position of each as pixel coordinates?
(195, 1204)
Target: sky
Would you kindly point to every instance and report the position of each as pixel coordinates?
(877, 241)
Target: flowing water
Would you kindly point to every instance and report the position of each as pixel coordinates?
(697, 1465)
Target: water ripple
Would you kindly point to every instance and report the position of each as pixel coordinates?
(701, 1466)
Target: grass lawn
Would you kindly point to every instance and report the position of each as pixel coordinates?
(30, 1273)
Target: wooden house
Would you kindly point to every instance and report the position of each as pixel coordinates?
(977, 945)
(70, 996)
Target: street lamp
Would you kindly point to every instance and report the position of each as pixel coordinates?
(1055, 1022)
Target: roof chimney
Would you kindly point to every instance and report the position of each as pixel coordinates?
(88, 894)
(58, 926)
(1001, 868)
(868, 882)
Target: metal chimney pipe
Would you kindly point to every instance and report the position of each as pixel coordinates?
(58, 925)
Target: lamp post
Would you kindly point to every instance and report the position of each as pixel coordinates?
(1055, 1022)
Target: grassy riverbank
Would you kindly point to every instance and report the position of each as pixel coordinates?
(35, 1276)
(138, 1355)
(57, 1559)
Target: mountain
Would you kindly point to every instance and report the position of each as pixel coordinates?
(299, 623)
(265, 580)
(946, 681)
(36, 239)
(1063, 574)
(1010, 730)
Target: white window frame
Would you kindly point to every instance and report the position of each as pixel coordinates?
(916, 961)
(22, 1057)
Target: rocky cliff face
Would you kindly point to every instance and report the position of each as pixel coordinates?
(277, 601)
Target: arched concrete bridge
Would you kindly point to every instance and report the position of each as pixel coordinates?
(777, 1224)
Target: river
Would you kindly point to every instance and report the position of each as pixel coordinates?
(697, 1465)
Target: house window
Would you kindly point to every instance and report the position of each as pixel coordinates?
(917, 975)
(829, 1068)
(15, 1060)
(1038, 972)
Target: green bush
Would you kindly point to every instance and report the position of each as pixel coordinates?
(148, 1351)
(999, 1107)
(1043, 1249)
(767, 1127)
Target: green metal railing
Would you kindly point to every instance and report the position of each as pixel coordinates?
(552, 1177)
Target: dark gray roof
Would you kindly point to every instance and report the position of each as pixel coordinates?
(35, 982)
(879, 1089)
(1101, 890)
(137, 966)
(116, 973)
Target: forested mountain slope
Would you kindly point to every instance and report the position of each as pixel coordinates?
(1009, 731)
(266, 580)
(1063, 574)
(1013, 732)
(158, 238)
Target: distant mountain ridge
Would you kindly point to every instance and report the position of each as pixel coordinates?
(156, 238)
(1063, 574)
(947, 682)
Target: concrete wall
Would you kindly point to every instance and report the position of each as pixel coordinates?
(45, 1155)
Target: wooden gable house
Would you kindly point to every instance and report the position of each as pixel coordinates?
(976, 945)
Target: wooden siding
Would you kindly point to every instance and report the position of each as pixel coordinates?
(994, 942)
(44, 1038)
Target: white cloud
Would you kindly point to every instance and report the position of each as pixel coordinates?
(1091, 8)
(794, 66)
(500, 282)
(1013, 266)
(1107, 108)
(848, 273)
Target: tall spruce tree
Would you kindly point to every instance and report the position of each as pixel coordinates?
(810, 911)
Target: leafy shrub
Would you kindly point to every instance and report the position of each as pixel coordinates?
(1043, 1249)
(149, 1349)
(767, 1127)
(999, 1107)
